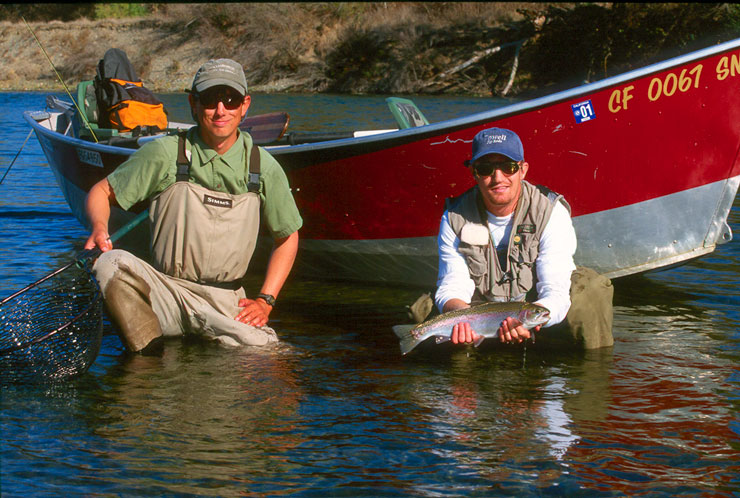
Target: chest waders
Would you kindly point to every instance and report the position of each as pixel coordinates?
(201, 235)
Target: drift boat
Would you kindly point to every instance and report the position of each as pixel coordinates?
(648, 161)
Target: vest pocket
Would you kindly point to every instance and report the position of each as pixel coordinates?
(523, 262)
(475, 256)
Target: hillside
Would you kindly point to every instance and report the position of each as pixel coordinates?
(381, 48)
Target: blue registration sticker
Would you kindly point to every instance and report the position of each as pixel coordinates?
(583, 111)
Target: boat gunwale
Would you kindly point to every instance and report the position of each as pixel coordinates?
(454, 124)
(403, 136)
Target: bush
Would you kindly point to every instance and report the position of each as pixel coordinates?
(72, 11)
(591, 42)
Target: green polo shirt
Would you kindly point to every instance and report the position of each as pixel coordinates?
(153, 168)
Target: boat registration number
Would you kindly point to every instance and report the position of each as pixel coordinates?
(90, 157)
(583, 111)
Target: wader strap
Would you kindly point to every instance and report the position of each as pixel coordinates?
(492, 252)
(183, 164)
(253, 184)
(503, 258)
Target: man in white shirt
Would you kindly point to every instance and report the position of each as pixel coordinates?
(504, 240)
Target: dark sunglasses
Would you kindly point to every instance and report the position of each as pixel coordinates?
(229, 98)
(486, 168)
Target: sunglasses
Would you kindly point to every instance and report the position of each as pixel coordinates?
(486, 168)
(229, 98)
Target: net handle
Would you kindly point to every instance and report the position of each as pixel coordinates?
(83, 256)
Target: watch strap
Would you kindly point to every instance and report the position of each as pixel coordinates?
(269, 298)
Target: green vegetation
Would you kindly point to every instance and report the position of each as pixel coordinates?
(121, 10)
(72, 11)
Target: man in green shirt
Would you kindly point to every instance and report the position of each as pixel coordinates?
(209, 189)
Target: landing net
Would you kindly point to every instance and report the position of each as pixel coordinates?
(51, 331)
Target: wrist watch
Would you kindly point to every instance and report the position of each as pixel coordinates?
(268, 298)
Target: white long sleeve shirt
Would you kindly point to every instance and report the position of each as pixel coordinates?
(554, 262)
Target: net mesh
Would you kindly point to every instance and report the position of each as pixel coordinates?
(53, 330)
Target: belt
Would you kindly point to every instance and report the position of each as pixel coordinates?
(235, 285)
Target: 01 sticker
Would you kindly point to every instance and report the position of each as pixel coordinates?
(583, 111)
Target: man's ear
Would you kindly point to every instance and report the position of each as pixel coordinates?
(191, 99)
(247, 102)
(524, 169)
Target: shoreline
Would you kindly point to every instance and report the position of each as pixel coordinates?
(521, 50)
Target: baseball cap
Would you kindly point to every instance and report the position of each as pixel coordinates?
(497, 141)
(220, 72)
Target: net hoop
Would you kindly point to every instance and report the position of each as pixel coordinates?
(52, 330)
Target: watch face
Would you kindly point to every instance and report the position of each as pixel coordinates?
(268, 299)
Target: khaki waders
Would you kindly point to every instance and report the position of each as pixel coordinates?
(202, 242)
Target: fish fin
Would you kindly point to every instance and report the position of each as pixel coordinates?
(442, 338)
(477, 342)
(407, 339)
(402, 331)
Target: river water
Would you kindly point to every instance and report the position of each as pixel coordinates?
(335, 410)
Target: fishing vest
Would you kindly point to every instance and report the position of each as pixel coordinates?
(201, 235)
(469, 220)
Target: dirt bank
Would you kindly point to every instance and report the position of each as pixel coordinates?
(76, 47)
(472, 48)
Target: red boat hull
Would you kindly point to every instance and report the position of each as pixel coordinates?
(647, 160)
(641, 144)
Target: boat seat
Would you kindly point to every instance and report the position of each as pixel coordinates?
(406, 113)
(87, 101)
(89, 106)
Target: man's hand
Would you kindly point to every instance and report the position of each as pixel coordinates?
(511, 330)
(99, 238)
(463, 333)
(254, 312)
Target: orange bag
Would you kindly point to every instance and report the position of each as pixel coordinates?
(142, 109)
(123, 101)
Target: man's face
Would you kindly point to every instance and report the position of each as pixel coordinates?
(499, 184)
(219, 110)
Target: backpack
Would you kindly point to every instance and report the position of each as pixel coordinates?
(123, 101)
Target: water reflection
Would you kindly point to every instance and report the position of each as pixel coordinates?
(336, 409)
(203, 413)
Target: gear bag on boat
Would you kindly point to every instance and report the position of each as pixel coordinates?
(122, 100)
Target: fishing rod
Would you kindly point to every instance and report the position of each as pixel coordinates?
(16, 156)
(66, 89)
(83, 256)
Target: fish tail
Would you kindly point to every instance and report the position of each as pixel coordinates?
(407, 339)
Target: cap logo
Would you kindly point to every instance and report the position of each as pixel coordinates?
(495, 139)
(223, 67)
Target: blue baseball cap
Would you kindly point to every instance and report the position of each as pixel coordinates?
(497, 141)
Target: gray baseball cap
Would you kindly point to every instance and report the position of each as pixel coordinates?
(220, 72)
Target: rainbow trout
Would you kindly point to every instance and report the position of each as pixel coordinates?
(484, 319)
